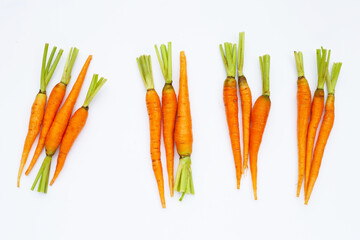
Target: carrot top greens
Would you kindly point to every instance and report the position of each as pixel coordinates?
(265, 73)
(322, 66)
(69, 65)
(94, 88)
(331, 81)
(47, 69)
(299, 63)
(229, 58)
(241, 54)
(165, 61)
(144, 64)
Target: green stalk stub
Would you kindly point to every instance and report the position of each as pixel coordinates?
(265, 73)
(43, 174)
(299, 63)
(69, 65)
(331, 81)
(165, 61)
(184, 180)
(144, 64)
(241, 54)
(229, 58)
(322, 66)
(94, 88)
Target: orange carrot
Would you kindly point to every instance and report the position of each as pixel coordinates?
(303, 115)
(55, 99)
(317, 108)
(76, 124)
(259, 118)
(169, 108)
(325, 129)
(154, 111)
(38, 107)
(246, 100)
(183, 134)
(231, 105)
(57, 129)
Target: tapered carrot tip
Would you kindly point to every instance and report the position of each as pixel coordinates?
(238, 185)
(171, 188)
(255, 194)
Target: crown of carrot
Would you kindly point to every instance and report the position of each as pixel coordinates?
(229, 58)
(48, 68)
(144, 64)
(265, 73)
(69, 65)
(165, 61)
(94, 88)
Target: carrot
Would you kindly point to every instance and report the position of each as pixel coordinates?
(183, 135)
(154, 111)
(325, 129)
(38, 107)
(317, 108)
(259, 118)
(76, 124)
(246, 100)
(303, 115)
(57, 129)
(169, 108)
(55, 99)
(231, 105)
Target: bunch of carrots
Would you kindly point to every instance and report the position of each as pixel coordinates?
(176, 117)
(58, 127)
(254, 118)
(309, 117)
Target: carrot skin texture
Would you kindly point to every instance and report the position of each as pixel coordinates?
(246, 106)
(55, 99)
(36, 118)
(154, 111)
(169, 109)
(232, 116)
(317, 108)
(58, 127)
(303, 115)
(325, 129)
(259, 118)
(76, 124)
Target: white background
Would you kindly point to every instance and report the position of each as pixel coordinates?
(107, 188)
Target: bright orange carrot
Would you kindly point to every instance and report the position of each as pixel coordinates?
(231, 105)
(76, 124)
(259, 118)
(57, 129)
(38, 107)
(169, 108)
(154, 111)
(183, 134)
(317, 108)
(55, 99)
(303, 115)
(246, 100)
(325, 129)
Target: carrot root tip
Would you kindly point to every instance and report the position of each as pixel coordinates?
(184, 180)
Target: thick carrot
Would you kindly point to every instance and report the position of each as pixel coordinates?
(57, 129)
(325, 129)
(38, 107)
(183, 134)
(259, 118)
(169, 108)
(303, 114)
(246, 100)
(317, 108)
(55, 99)
(154, 111)
(76, 124)
(231, 105)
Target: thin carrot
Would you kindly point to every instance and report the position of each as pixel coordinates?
(246, 100)
(183, 135)
(169, 108)
(303, 115)
(317, 108)
(231, 105)
(154, 111)
(55, 99)
(325, 129)
(38, 107)
(76, 124)
(259, 118)
(57, 129)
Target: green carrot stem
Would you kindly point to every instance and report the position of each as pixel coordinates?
(43, 174)
(241, 54)
(94, 88)
(183, 180)
(53, 67)
(265, 73)
(331, 81)
(43, 69)
(144, 64)
(299, 63)
(322, 63)
(165, 61)
(48, 64)
(229, 58)
(69, 65)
